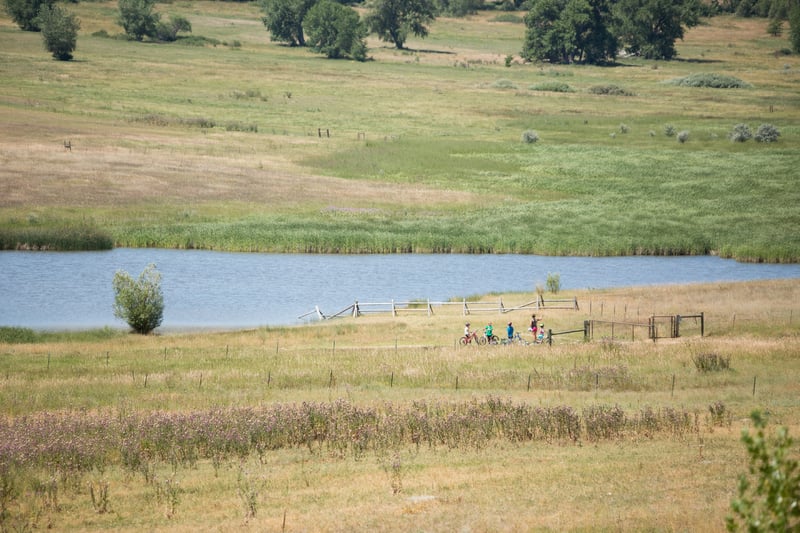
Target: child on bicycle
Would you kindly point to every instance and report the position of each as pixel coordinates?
(488, 331)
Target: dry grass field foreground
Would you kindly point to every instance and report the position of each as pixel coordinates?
(668, 458)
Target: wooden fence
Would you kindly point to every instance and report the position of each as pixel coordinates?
(394, 307)
(656, 327)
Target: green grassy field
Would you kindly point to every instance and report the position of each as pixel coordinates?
(219, 146)
(380, 423)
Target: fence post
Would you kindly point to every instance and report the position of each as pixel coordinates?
(702, 324)
(586, 331)
(550, 337)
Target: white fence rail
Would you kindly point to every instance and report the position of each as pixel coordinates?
(395, 307)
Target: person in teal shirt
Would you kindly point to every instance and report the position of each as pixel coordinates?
(488, 331)
(510, 331)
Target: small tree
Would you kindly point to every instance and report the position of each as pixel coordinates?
(336, 31)
(59, 31)
(25, 13)
(140, 302)
(284, 20)
(394, 20)
(137, 18)
(769, 497)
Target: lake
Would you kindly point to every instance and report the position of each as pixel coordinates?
(206, 289)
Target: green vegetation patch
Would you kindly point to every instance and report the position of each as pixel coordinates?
(552, 86)
(713, 81)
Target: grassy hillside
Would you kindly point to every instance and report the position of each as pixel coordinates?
(380, 423)
(220, 147)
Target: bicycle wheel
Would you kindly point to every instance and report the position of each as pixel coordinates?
(482, 340)
(463, 340)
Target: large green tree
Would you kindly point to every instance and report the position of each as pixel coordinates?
(25, 13)
(284, 19)
(649, 28)
(336, 31)
(138, 19)
(394, 20)
(565, 31)
(59, 31)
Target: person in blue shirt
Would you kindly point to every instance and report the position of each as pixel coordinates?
(510, 331)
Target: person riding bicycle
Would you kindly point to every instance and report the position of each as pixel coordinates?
(488, 331)
(469, 335)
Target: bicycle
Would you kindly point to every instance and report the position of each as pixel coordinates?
(516, 339)
(467, 339)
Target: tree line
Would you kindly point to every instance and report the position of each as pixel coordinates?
(557, 31)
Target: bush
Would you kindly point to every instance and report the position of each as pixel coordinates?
(552, 86)
(529, 136)
(610, 90)
(669, 130)
(140, 302)
(59, 31)
(553, 282)
(713, 81)
(740, 133)
(767, 133)
(683, 136)
(168, 31)
(769, 497)
(711, 362)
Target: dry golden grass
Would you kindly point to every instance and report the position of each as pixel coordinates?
(660, 482)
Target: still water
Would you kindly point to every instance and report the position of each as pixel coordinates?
(202, 289)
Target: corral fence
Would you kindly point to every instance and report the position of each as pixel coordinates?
(394, 307)
(656, 327)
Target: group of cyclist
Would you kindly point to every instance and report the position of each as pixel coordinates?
(536, 328)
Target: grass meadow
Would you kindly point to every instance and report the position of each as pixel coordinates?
(381, 423)
(219, 146)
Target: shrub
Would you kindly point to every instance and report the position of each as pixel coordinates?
(140, 302)
(552, 86)
(709, 362)
(669, 130)
(740, 133)
(553, 282)
(713, 81)
(168, 31)
(529, 136)
(623, 128)
(767, 133)
(683, 136)
(610, 90)
(59, 31)
(769, 497)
